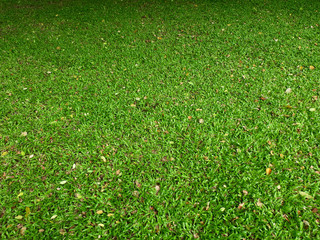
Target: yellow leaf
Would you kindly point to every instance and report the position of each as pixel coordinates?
(99, 212)
(19, 217)
(311, 67)
(110, 214)
(306, 195)
(4, 153)
(27, 211)
(268, 171)
(103, 159)
(20, 194)
(79, 196)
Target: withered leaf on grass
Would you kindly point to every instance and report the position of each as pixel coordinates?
(138, 185)
(241, 205)
(157, 187)
(23, 230)
(62, 231)
(27, 211)
(306, 195)
(99, 212)
(259, 203)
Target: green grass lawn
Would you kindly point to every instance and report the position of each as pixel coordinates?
(159, 119)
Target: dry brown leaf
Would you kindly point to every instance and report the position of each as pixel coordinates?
(138, 185)
(259, 203)
(241, 205)
(23, 230)
(157, 187)
(135, 193)
(245, 192)
(285, 216)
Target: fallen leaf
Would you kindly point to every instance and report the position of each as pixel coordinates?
(27, 211)
(63, 182)
(101, 225)
(24, 134)
(189, 117)
(41, 230)
(19, 217)
(278, 187)
(62, 231)
(77, 195)
(241, 205)
(289, 90)
(311, 67)
(157, 187)
(306, 224)
(138, 185)
(312, 109)
(245, 192)
(20, 194)
(285, 216)
(268, 171)
(259, 203)
(99, 212)
(110, 214)
(208, 206)
(306, 195)
(103, 159)
(23, 230)
(54, 216)
(4, 153)
(201, 120)
(135, 193)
